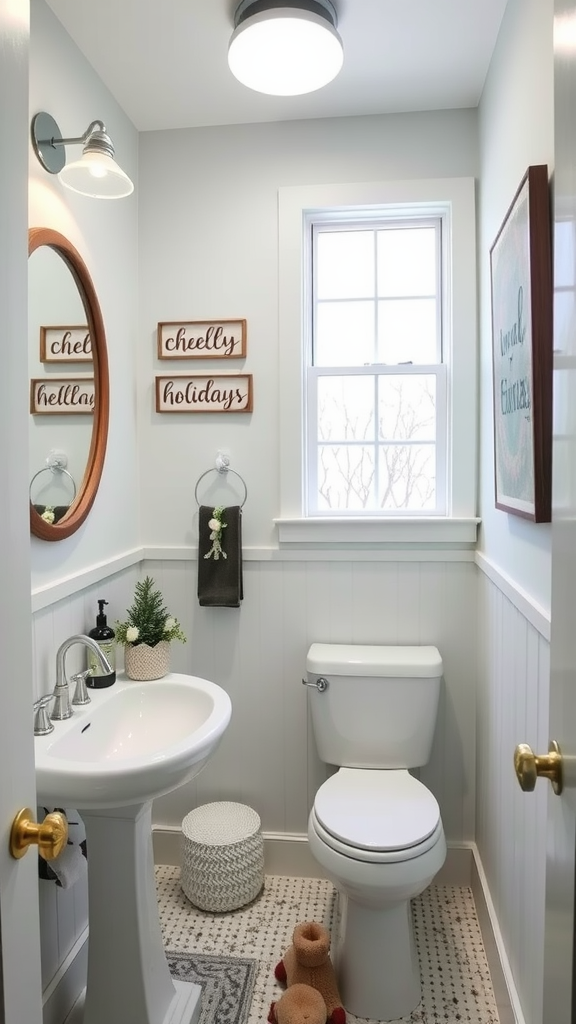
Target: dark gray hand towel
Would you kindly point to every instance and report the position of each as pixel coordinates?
(220, 579)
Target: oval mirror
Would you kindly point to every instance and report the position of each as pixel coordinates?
(69, 387)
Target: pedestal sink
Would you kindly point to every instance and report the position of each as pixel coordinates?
(132, 743)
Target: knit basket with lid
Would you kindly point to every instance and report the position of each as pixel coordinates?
(222, 856)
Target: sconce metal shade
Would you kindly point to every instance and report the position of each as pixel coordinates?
(95, 174)
(285, 47)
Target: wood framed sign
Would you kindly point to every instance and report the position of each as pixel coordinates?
(522, 350)
(205, 393)
(202, 339)
(66, 395)
(65, 344)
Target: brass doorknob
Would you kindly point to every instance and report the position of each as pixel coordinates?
(50, 837)
(530, 766)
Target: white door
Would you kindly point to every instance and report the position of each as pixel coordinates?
(561, 831)
(20, 983)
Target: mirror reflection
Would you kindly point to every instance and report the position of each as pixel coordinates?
(58, 342)
(69, 386)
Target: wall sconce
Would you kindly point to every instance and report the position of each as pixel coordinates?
(95, 174)
(285, 47)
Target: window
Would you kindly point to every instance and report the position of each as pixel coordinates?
(377, 331)
(375, 379)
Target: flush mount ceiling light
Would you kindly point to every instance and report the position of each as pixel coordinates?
(95, 174)
(285, 47)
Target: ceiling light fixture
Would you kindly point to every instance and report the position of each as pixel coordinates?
(95, 174)
(285, 47)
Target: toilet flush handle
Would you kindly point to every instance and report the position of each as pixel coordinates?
(321, 684)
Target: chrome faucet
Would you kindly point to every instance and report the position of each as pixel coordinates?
(62, 707)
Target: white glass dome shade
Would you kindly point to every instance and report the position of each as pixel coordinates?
(287, 49)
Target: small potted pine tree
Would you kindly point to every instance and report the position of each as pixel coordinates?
(147, 633)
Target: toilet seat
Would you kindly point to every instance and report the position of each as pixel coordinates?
(378, 816)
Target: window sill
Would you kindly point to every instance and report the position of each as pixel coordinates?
(416, 532)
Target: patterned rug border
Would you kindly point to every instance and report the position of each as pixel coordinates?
(227, 983)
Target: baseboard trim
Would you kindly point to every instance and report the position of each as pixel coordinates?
(287, 853)
(67, 984)
(505, 992)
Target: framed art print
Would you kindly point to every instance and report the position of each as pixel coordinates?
(521, 280)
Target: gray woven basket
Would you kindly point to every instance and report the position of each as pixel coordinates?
(222, 856)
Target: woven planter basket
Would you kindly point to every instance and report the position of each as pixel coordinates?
(222, 856)
(144, 662)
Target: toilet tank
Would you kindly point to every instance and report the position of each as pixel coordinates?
(380, 706)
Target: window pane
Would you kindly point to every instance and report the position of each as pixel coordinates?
(407, 477)
(564, 315)
(345, 477)
(345, 264)
(565, 254)
(346, 409)
(344, 334)
(407, 261)
(407, 331)
(407, 407)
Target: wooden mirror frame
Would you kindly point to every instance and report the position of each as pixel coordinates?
(88, 488)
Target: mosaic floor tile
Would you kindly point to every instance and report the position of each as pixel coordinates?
(456, 984)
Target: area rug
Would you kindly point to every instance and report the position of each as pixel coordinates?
(227, 984)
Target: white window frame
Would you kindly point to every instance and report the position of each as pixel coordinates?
(453, 199)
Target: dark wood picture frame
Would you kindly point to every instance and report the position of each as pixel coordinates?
(522, 350)
(202, 339)
(74, 340)
(224, 393)
(62, 396)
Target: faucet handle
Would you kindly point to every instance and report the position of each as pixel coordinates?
(81, 695)
(42, 723)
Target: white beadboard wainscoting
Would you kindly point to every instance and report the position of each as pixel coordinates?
(267, 757)
(495, 677)
(512, 708)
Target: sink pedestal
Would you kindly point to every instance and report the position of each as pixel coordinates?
(128, 977)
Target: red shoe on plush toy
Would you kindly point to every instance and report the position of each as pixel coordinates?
(307, 962)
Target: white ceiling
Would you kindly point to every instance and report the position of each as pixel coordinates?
(166, 62)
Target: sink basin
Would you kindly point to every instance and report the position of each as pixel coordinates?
(133, 742)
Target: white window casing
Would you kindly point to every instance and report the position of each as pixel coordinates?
(454, 521)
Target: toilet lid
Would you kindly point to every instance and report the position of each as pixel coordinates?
(376, 810)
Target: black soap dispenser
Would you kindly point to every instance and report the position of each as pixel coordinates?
(104, 637)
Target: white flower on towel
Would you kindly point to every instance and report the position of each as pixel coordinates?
(216, 525)
(132, 634)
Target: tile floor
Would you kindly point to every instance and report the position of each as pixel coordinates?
(456, 984)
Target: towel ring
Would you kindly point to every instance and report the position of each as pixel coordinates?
(53, 469)
(222, 467)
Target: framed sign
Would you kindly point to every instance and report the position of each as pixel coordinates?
(205, 393)
(65, 344)
(62, 395)
(521, 277)
(202, 339)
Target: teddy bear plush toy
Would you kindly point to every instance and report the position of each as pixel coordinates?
(307, 962)
(300, 1004)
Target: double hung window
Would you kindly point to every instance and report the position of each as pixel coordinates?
(377, 360)
(376, 416)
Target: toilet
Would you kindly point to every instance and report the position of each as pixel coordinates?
(374, 828)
